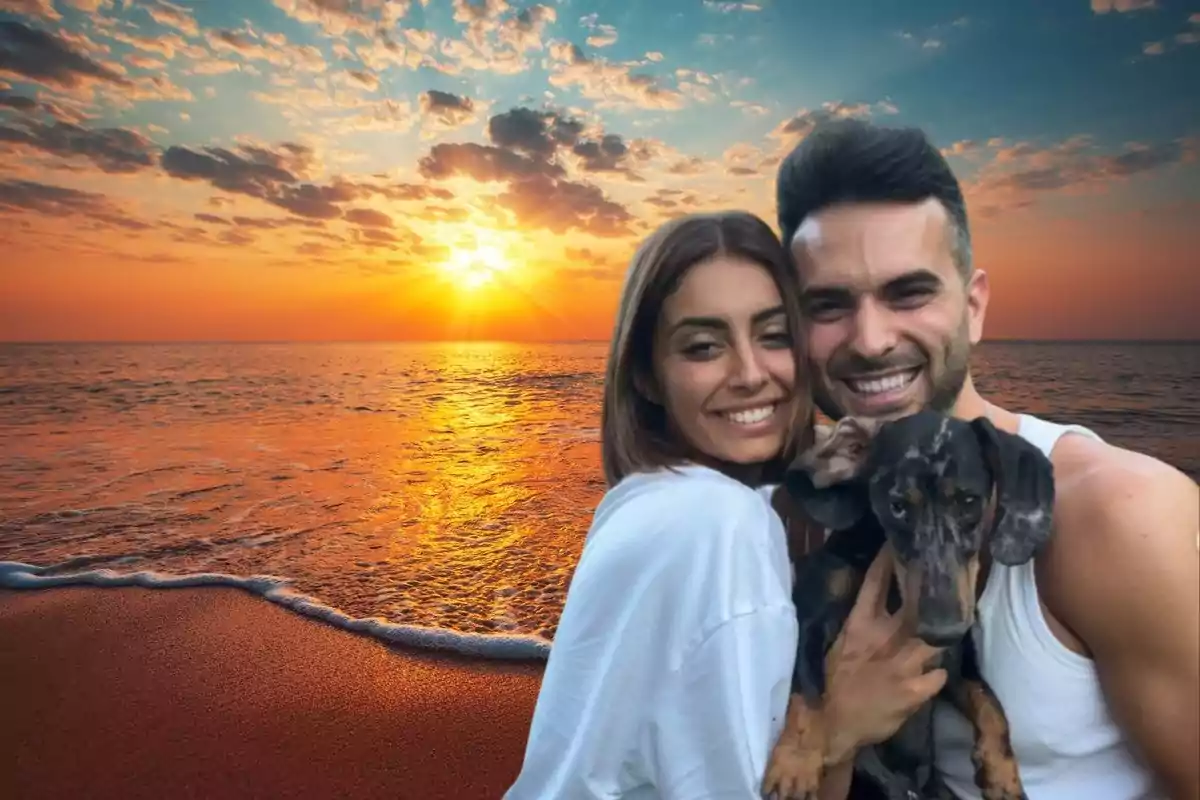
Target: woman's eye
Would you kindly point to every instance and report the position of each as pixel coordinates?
(701, 349)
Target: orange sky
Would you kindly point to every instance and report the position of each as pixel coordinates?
(290, 172)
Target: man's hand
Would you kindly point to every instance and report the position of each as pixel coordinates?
(876, 672)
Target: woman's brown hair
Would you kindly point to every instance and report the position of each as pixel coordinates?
(633, 429)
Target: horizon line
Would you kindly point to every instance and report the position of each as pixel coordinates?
(996, 340)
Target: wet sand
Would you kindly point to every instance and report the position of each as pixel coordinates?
(216, 693)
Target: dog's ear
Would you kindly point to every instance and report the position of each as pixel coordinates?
(1024, 479)
(823, 479)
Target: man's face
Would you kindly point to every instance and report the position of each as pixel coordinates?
(890, 322)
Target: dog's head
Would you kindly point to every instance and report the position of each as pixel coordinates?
(942, 489)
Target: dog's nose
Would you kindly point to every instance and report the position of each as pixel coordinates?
(940, 635)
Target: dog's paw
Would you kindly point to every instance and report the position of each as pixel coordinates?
(794, 771)
(998, 778)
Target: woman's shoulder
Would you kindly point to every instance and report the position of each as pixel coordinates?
(688, 539)
(684, 489)
(688, 508)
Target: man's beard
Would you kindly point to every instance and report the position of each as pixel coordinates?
(947, 384)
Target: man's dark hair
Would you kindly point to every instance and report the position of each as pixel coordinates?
(854, 161)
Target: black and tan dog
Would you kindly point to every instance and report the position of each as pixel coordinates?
(942, 493)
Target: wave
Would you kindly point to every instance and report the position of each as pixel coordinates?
(17, 575)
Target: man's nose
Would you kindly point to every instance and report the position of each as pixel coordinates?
(874, 334)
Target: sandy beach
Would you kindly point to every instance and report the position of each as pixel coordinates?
(216, 693)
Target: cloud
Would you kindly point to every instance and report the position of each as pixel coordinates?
(271, 175)
(602, 35)
(167, 45)
(33, 54)
(62, 109)
(339, 17)
(17, 102)
(527, 153)
(1183, 39)
(59, 201)
(279, 176)
(271, 47)
(610, 84)
(444, 111)
(368, 217)
(1018, 173)
(1122, 6)
(755, 109)
(113, 150)
(31, 8)
(792, 130)
(729, 8)
(172, 16)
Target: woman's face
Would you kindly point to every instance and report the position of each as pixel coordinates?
(723, 362)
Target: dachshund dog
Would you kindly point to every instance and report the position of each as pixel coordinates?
(941, 492)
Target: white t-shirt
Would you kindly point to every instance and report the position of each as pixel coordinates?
(671, 667)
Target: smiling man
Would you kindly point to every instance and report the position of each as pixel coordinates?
(1093, 648)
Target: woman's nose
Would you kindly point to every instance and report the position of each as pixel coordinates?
(748, 370)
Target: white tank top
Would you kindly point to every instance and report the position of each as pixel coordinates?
(1066, 743)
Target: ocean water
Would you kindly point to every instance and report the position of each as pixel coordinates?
(430, 494)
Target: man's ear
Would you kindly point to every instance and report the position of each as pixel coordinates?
(978, 293)
(1024, 481)
(823, 480)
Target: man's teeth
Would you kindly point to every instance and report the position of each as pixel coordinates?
(889, 383)
(751, 415)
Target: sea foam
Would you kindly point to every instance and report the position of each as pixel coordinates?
(17, 575)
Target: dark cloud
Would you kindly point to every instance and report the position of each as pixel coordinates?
(275, 176)
(45, 57)
(113, 150)
(269, 175)
(535, 133)
(525, 154)
(317, 202)
(17, 102)
(410, 191)
(561, 206)
(1068, 165)
(212, 218)
(436, 100)
(237, 236)
(56, 201)
(484, 163)
(248, 173)
(608, 154)
(270, 223)
(59, 201)
(368, 217)
(448, 110)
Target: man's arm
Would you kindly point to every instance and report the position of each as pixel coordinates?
(1125, 578)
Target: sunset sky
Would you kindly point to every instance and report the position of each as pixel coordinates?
(364, 169)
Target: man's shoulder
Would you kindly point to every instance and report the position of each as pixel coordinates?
(1105, 490)
(1119, 514)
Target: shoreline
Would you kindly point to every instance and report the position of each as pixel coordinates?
(129, 692)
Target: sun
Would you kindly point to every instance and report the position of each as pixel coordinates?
(477, 266)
